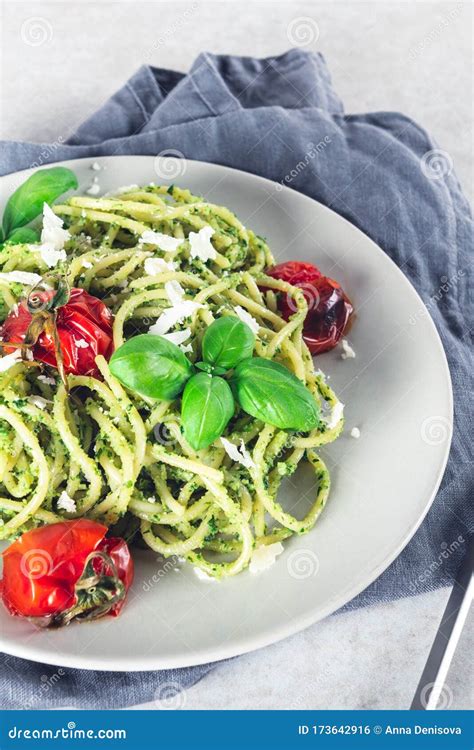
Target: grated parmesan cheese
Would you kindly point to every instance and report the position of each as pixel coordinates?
(163, 241)
(174, 315)
(65, 502)
(39, 401)
(336, 415)
(203, 576)
(240, 455)
(155, 266)
(264, 556)
(21, 277)
(355, 433)
(246, 318)
(47, 381)
(200, 244)
(9, 360)
(122, 190)
(53, 237)
(178, 337)
(347, 350)
(94, 189)
(175, 292)
(95, 166)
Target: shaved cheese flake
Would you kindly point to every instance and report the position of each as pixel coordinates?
(200, 244)
(94, 189)
(122, 190)
(21, 277)
(81, 344)
(175, 292)
(52, 257)
(264, 556)
(65, 502)
(155, 266)
(9, 360)
(178, 337)
(46, 380)
(246, 318)
(174, 315)
(347, 350)
(240, 455)
(163, 241)
(355, 433)
(53, 233)
(53, 237)
(203, 576)
(336, 415)
(39, 401)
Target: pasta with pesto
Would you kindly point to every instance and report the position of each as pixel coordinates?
(167, 262)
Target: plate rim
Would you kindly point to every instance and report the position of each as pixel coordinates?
(246, 644)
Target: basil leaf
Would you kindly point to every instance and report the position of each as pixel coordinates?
(22, 235)
(206, 408)
(27, 201)
(151, 366)
(227, 341)
(270, 392)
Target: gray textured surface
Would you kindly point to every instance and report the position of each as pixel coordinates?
(61, 60)
(415, 57)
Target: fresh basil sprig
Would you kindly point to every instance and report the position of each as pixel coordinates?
(156, 368)
(206, 408)
(152, 366)
(26, 203)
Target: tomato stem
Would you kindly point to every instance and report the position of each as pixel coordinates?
(98, 591)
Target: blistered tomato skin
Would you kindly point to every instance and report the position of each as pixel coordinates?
(84, 326)
(295, 272)
(329, 308)
(42, 568)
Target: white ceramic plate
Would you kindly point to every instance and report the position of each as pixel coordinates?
(397, 391)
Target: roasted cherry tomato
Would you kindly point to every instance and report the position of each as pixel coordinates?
(84, 327)
(295, 272)
(55, 573)
(329, 308)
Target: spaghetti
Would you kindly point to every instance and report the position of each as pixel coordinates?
(121, 458)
